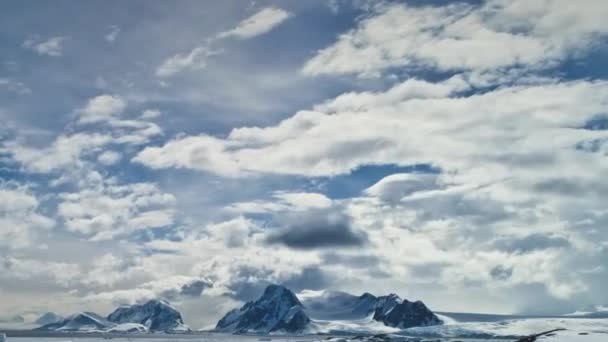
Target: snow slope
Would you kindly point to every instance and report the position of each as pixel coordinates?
(514, 328)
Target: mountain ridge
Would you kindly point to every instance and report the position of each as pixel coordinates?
(279, 309)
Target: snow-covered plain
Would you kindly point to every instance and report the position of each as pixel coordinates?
(577, 330)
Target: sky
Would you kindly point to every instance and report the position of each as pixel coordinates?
(452, 152)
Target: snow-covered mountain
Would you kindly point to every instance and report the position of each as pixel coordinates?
(48, 318)
(390, 310)
(83, 321)
(278, 309)
(155, 315)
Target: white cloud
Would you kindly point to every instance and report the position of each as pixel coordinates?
(497, 34)
(283, 201)
(401, 130)
(507, 160)
(259, 23)
(150, 114)
(15, 86)
(68, 152)
(393, 188)
(495, 150)
(102, 108)
(110, 210)
(195, 59)
(64, 152)
(51, 47)
(109, 157)
(112, 34)
(19, 217)
(24, 269)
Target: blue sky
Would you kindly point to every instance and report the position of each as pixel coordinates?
(452, 152)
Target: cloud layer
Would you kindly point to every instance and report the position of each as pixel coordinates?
(453, 153)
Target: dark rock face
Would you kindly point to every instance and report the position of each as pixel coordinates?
(156, 315)
(384, 305)
(278, 309)
(395, 312)
(409, 314)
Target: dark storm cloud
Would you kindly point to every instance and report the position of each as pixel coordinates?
(195, 289)
(428, 271)
(531, 243)
(192, 289)
(501, 272)
(570, 187)
(248, 282)
(353, 261)
(311, 278)
(318, 229)
(597, 123)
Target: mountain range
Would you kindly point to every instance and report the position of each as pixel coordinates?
(153, 316)
(278, 309)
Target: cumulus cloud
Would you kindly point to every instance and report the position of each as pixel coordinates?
(102, 108)
(20, 217)
(113, 33)
(195, 59)
(506, 218)
(52, 47)
(452, 37)
(14, 86)
(112, 210)
(504, 158)
(65, 151)
(70, 151)
(26, 269)
(396, 186)
(402, 131)
(150, 114)
(259, 23)
(283, 201)
(532, 242)
(501, 155)
(109, 157)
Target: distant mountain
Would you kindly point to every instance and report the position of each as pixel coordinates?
(592, 311)
(48, 318)
(278, 309)
(84, 321)
(13, 319)
(155, 315)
